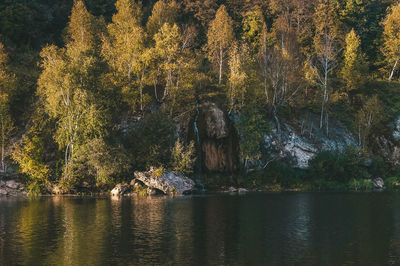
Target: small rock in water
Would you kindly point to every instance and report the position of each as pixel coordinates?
(378, 183)
(242, 190)
(119, 189)
(3, 191)
(232, 189)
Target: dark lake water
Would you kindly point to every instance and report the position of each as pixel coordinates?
(253, 229)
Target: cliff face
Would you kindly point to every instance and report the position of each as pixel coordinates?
(216, 138)
(299, 142)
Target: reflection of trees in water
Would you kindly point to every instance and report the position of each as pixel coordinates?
(83, 224)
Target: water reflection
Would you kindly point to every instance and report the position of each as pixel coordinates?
(272, 229)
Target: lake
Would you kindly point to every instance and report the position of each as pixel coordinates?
(220, 229)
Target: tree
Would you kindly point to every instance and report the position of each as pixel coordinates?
(175, 61)
(68, 86)
(355, 66)
(183, 157)
(6, 86)
(202, 10)
(123, 48)
(253, 23)
(369, 116)
(327, 49)
(237, 79)
(219, 39)
(163, 12)
(391, 35)
(251, 126)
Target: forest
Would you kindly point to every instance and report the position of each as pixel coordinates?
(91, 91)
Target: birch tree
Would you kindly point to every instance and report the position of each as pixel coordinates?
(66, 85)
(219, 39)
(123, 48)
(327, 49)
(391, 35)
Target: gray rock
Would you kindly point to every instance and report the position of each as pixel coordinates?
(171, 182)
(242, 190)
(3, 192)
(378, 183)
(120, 189)
(232, 189)
(216, 121)
(300, 143)
(12, 184)
(396, 129)
(152, 191)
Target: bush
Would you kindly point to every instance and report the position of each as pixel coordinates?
(281, 173)
(339, 167)
(150, 141)
(360, 184)
(183, 158)
(100, 163)
(392, 183)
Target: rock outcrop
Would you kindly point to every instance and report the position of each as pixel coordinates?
(218, 140)
(298, 143)
(12, 188)
(171, 182)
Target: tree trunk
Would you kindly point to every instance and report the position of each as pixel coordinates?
(393, 69)
(2, 145)
(220, 66)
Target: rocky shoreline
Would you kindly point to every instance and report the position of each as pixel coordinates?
(152, 183)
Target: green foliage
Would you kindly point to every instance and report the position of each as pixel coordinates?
(101, 70)
(183, 157)
(29, 156)
(100, 162)
(252, 126)
(392, 183)
(340, 167)
(149, 142)
(159, 171)
(361, 184)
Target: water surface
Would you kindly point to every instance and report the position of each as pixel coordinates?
(253, 229)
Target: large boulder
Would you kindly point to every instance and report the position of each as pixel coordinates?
(171, 182)
(218, 139)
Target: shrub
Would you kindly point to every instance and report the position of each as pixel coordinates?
(183, 158)
(283, 174)
(392, 182)
(360, 184)
(150, 141)
(100, 162)
(340, 167)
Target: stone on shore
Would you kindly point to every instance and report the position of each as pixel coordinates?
(170, 182)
